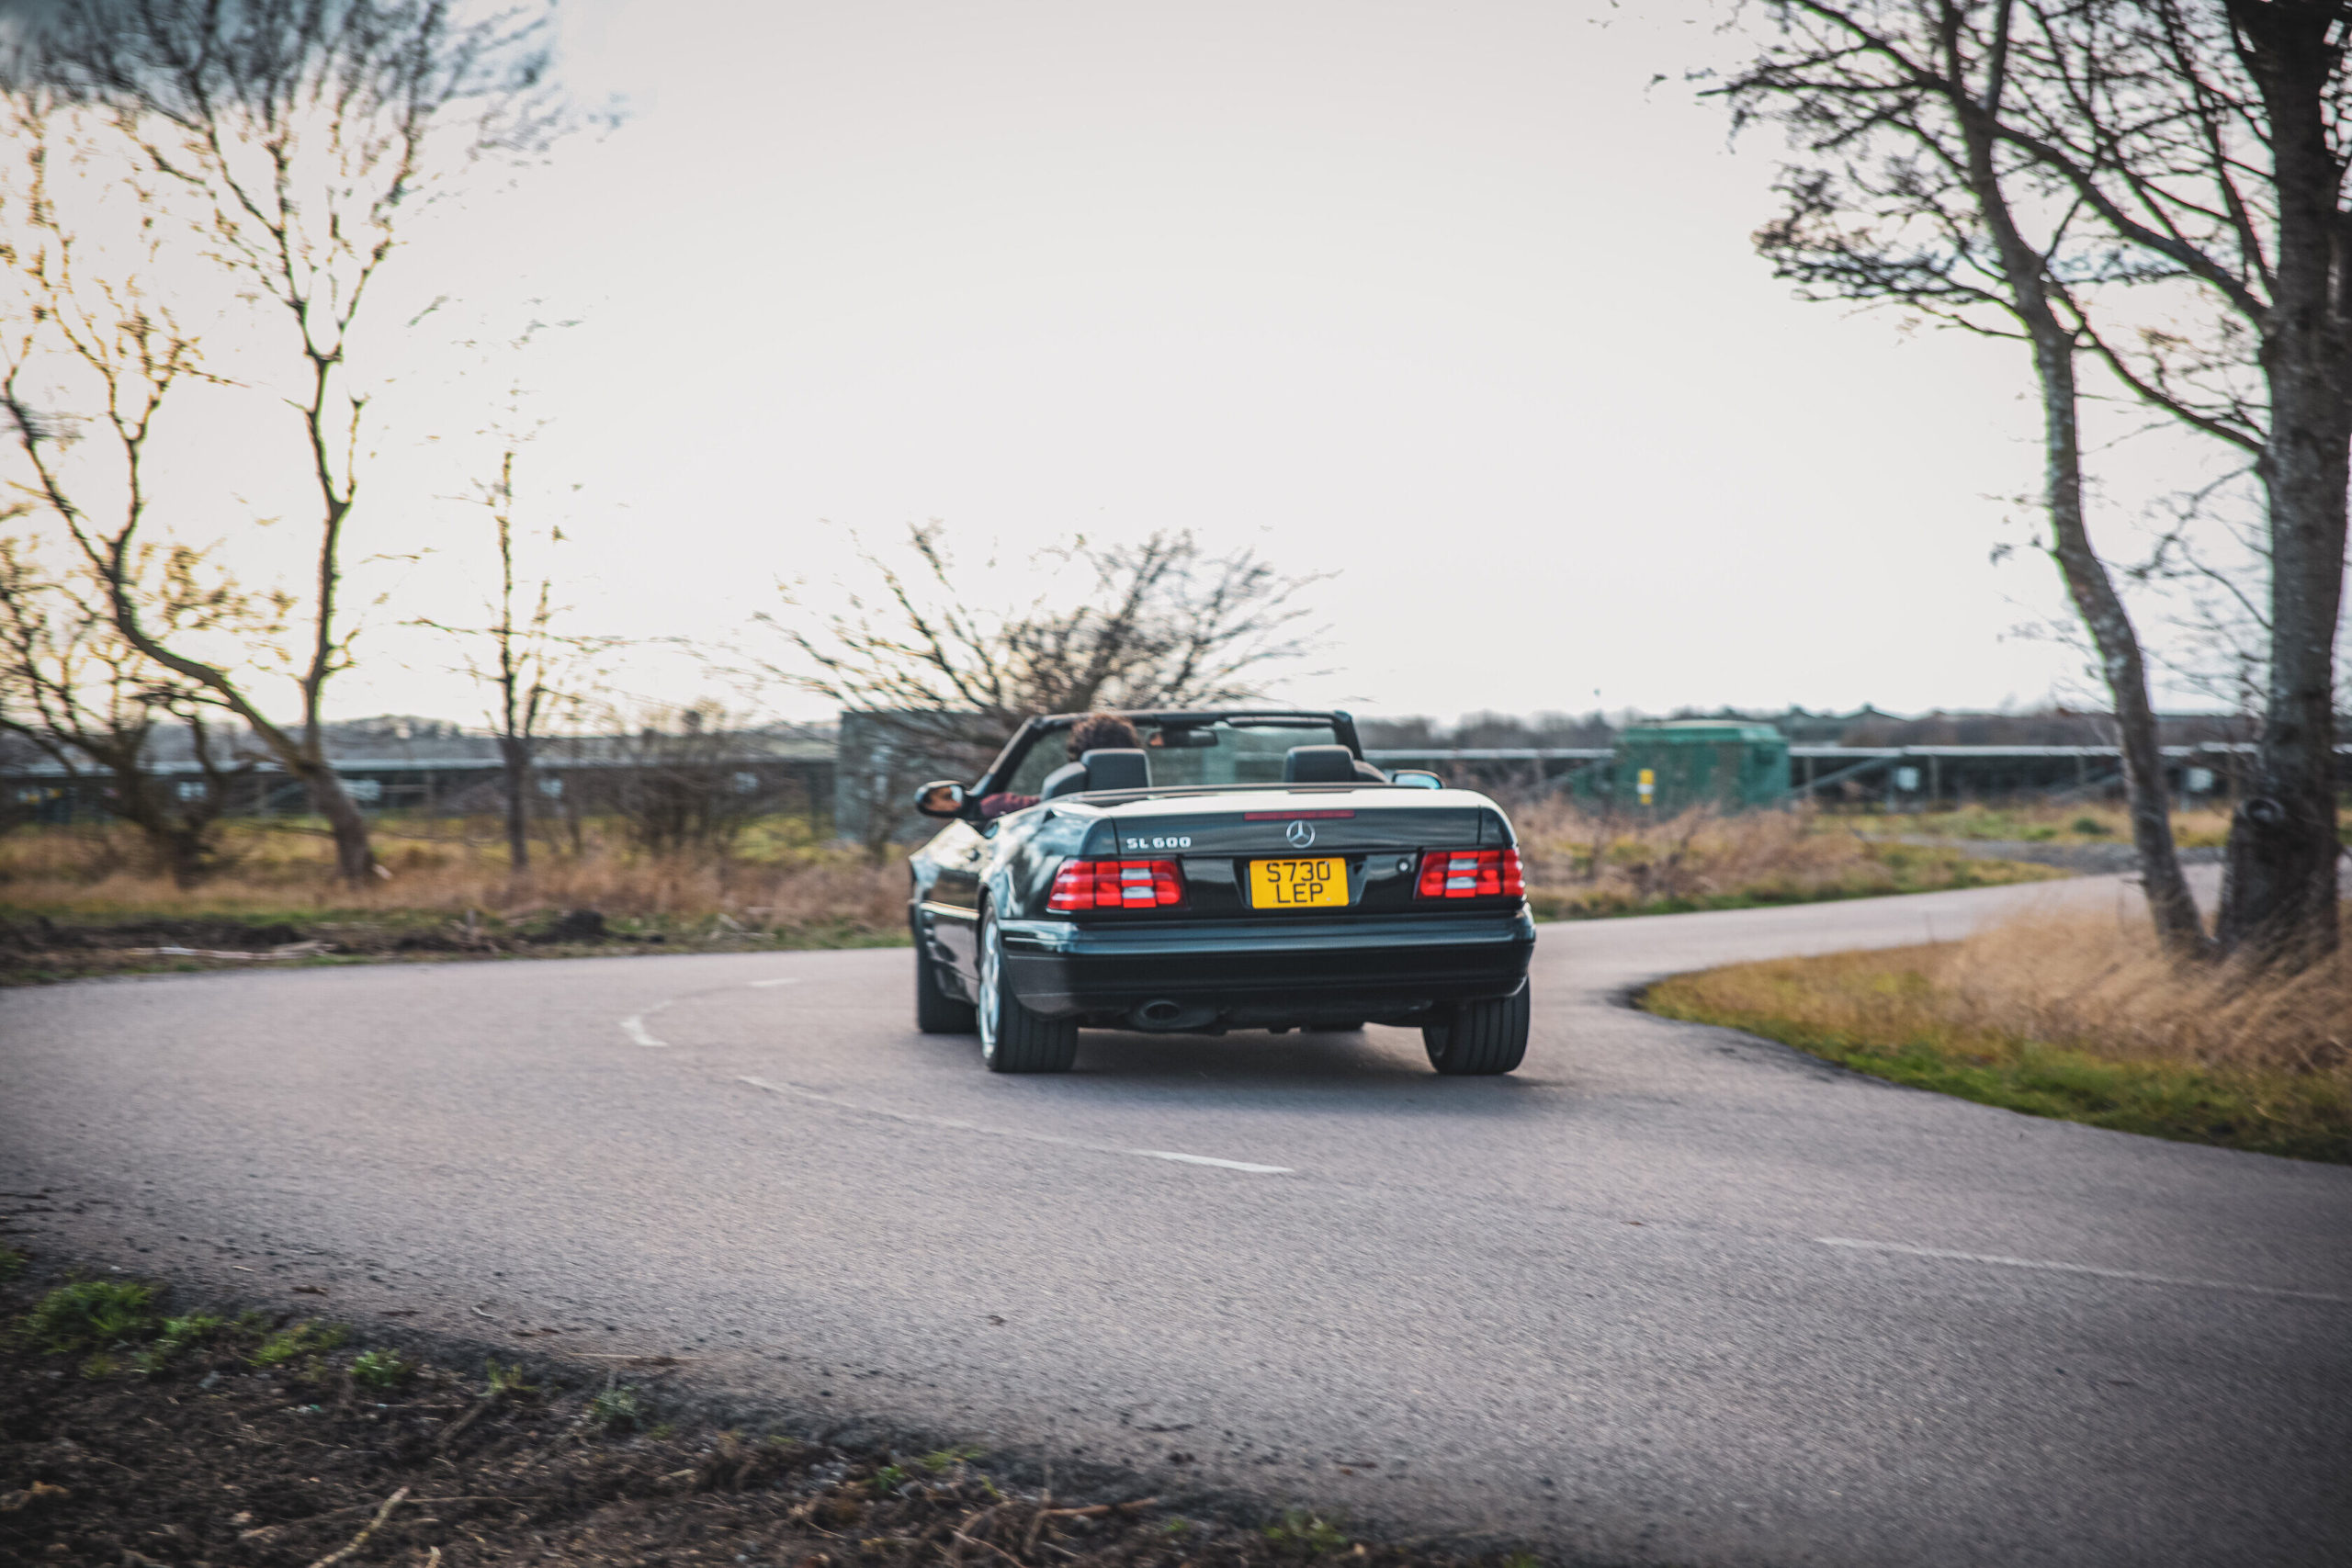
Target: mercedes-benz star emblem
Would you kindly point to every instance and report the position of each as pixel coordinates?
(1300, 833)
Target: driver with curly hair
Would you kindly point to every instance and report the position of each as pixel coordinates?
(1095, 733)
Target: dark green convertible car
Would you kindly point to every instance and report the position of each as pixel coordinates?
(1242, 870)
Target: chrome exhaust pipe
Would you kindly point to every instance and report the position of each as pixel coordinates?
(1164, 1014)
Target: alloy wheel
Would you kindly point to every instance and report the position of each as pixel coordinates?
(991, 966)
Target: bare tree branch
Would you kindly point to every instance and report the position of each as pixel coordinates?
(1161, 624)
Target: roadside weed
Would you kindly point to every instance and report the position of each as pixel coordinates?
(505, 1381)
(379, 1368)
(616, 1408)
(945, 1458)
(176, 1335)
(179, 1333)
(89, 1314)
(1299, 1531)
(305, 1338)
(12, 1263)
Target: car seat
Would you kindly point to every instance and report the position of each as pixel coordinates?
(1328, 765)
(1117, 767)
(1111, 767)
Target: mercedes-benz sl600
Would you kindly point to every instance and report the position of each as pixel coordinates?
(1238, 871)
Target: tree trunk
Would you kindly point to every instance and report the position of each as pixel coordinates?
(2279, 904)
(355, 860)
(178, 848)
(2170, 904)
(515, 752)
(2279, 901)
(2171, 907)
(189, 853)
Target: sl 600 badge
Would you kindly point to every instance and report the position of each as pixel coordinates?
(1184, 843)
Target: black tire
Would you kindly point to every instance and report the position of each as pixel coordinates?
(936, 1013)
(1013, 1039)
(1482, 1038)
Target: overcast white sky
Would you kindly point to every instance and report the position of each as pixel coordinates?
(1449, 299)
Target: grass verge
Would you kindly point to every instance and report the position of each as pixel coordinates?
(1591, 865)
(133, 1434)
(2075, 1021)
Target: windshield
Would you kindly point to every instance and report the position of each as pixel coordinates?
(1220, 752)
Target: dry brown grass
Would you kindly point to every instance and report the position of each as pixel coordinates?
(775, 878)
(2103, 987)
(1584, 862)
(2071, 1016)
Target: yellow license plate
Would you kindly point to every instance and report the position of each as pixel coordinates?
(1298, 883)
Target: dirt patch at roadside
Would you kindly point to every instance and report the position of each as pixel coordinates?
(140, 1432)
(36, 949)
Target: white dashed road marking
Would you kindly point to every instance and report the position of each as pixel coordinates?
(634, 1027)
(2000, 1261)
(789, 1091)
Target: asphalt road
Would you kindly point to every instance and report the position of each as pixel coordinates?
(1668, 1294)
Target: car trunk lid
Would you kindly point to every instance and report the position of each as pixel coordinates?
(1296, 823)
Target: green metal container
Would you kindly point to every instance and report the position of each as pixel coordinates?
(1667, 767)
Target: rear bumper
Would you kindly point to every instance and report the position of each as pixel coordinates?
(1280, 971)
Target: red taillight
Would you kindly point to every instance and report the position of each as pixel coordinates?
(1115, 884)
(1472, 874)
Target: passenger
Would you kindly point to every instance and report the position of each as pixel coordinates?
(1095, 733)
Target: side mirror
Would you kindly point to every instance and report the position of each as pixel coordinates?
(946, 798)
(1416, 778)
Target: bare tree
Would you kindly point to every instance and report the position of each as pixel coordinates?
(1161, 624)
(530, 667)
(288, 143)
(1913, 199)
(81, 696)
(2202, 147)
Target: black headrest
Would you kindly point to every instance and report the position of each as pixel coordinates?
(1319, 764)
(1068, 779)
(1119, 767)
